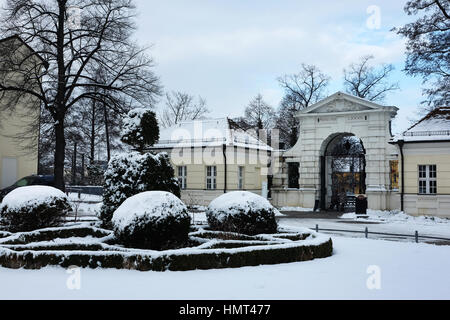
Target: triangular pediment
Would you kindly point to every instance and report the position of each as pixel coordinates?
(341, 102)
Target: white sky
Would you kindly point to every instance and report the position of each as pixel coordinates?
(228, 51)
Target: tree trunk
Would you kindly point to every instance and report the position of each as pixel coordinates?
(60, 146)
(108, 146)
(60, 142)
(93, 132)
(74, 165)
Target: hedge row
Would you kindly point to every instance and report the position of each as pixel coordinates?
(209, 259)
(54, 233)
(4, 234)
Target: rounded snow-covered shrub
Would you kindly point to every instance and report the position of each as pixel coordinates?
(155, 220)
(132, 173)
(34, 207)
(242, 212)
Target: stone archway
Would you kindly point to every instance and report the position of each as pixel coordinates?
(340, 114)
(342, 169)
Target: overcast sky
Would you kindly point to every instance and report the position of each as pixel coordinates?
(228, 51)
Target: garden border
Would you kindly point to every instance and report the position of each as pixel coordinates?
(275, 252)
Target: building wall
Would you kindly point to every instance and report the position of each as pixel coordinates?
(17, 158)
(340, 116)
(10, 150)
(430, 153)
(197, 160)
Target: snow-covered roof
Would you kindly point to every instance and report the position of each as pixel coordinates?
(435, 126)
(208, 133)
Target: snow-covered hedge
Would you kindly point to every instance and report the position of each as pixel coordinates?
(152, 220)
(133, 173)
(210, 252)
(34, 207)
(242, 212)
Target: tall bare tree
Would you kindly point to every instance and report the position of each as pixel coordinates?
(301, 90)
(74, 38)
(182, 106)
(365, 81)
(259, 114)
(428, 48)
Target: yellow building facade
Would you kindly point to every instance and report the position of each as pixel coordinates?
(424, 166)
(210, 158)
(18, 157)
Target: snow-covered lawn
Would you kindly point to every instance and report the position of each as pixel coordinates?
(441, 230)
(396, 217)
(407, 271)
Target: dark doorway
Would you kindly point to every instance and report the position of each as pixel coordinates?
(343, 172)
(293, 175)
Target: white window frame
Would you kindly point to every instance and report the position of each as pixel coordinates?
(427, 174)
(182, 177)
(241, 177)
(211, 177)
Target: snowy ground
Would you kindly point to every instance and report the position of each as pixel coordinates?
(426, 227)
(407, 271)
(85, 204)
(397, 225)
(395, 216)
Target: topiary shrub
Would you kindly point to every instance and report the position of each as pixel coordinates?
(242, 212)
(34, 207)
(133, 173)
(152, 220)
(140, 129)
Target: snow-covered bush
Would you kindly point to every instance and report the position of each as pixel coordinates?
(95, 174)
(152, 220)
(133, 173)
(140, 128)
(242, 212)
(34, 207)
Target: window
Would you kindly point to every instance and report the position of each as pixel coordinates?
(241, 173)
(182, 177)
(427, 179)
(211, 177)
(394, 174)
(293, 174)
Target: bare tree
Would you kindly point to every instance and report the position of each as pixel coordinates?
(301, 90)
(428, 48)
(72, 52)
(367, 82)
(181, 106)
(259, 114)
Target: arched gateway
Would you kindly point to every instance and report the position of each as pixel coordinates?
(339, 127)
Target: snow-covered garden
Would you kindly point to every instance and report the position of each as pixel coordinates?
(406, 270)
(140, 241)
(357, 269)
(143, 225)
